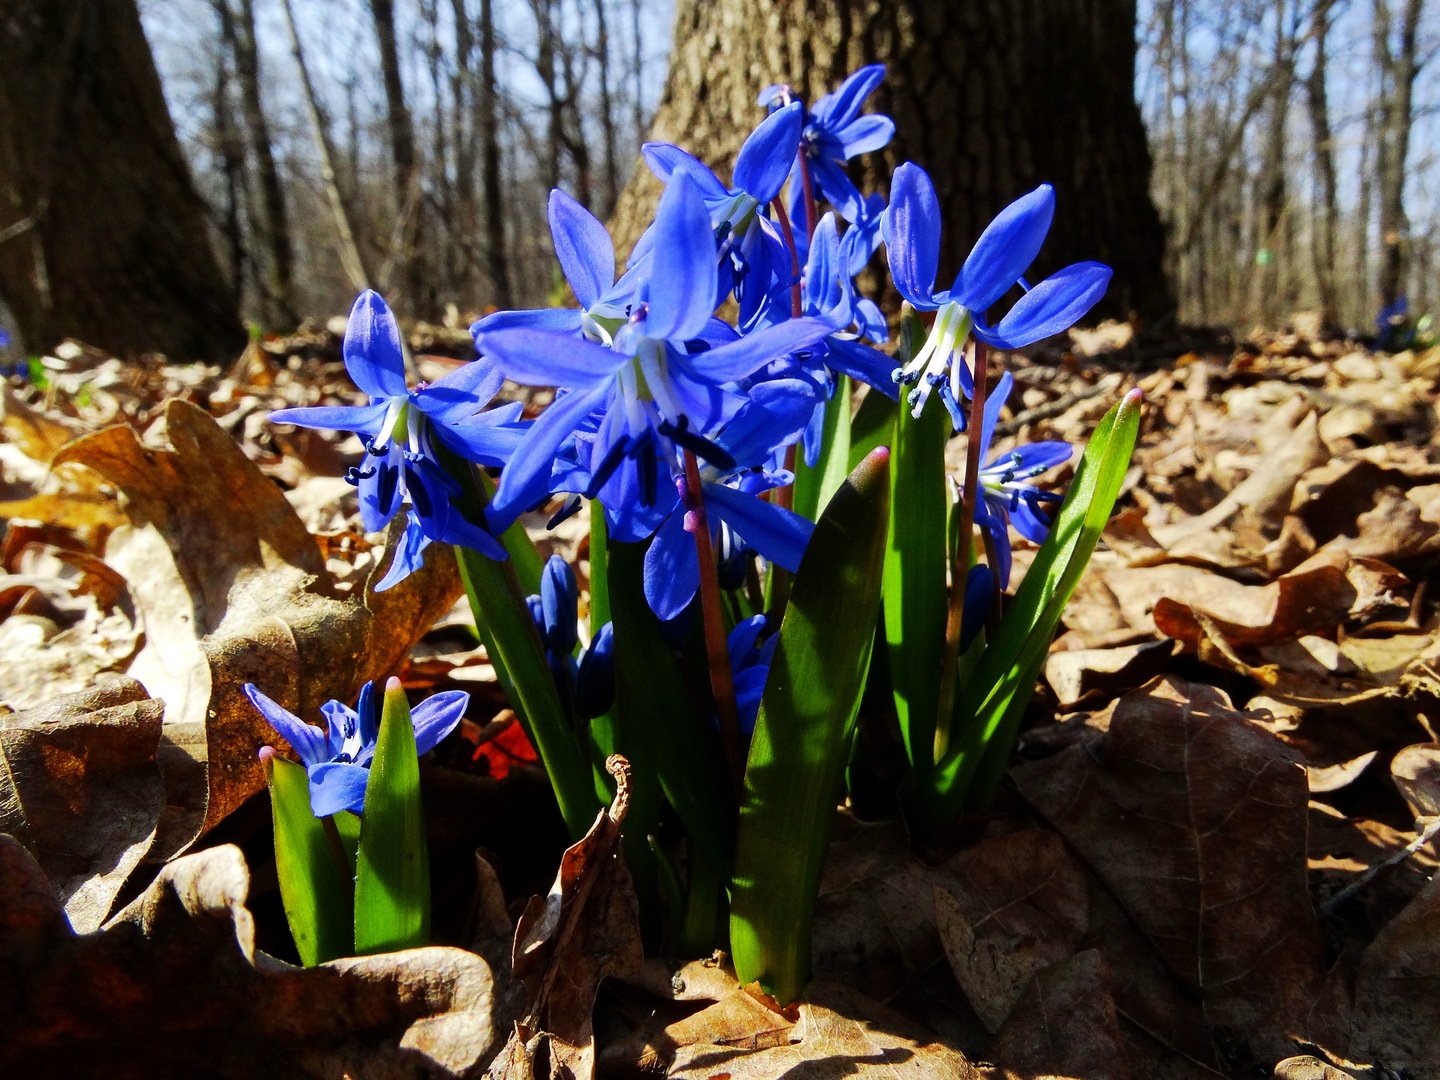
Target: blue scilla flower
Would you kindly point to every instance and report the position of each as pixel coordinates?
(1004, 251)
(834, 132)
(587, 259)
(337, 759)
(1005, 497)
(587, 682)
(667, 379)
(750, 667)
(738, 517)
(749, 246)
(399, 427)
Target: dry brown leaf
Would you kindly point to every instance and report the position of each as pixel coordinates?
(1065, 1025)
(1416, 771)
(586, 930)
(1305, 601)
(80, 788)
(173, 986)
(1078, 674)
(1397, 991)
(1195, 819)
(1017, 905)
(231, 589)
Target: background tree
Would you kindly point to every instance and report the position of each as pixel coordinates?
(991, 97)
(102, 236)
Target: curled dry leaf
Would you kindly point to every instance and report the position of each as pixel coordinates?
(587, 929)
(81, 790)
(1065, 1025)
(1195, 819)
(1416, 771)
(232, 588)
(173, 986)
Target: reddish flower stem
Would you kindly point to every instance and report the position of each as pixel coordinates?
(717, 652)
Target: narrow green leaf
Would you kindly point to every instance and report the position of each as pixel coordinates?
(802, 737)
(994, 697)
(659, 729)
(916, 555)
(813, 487)
(315, 884)
(872, 425)
(392, 864)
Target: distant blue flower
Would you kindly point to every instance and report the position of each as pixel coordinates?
(398, 427)
(1005, 497)
(586, 683)
(1005, 249)
(750, 667)
(4, 338)
(834, 132)
(337, 760)
(667, 380)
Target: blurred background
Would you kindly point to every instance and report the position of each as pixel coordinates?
(175, 171)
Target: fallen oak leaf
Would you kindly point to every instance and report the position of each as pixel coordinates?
(174, 985)
(232, 588)
(80, 788)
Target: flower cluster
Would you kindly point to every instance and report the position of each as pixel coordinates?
(586, 681)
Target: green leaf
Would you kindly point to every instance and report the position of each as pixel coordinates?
(802, 737)
(872, 425)
(315, 883)
(814, 487)
(672, 749)
(392, 864)
(993, 699)
(916, 556)
(497, 592)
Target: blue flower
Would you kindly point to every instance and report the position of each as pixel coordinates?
(1005, 249)
(750, 667)
(587, 259)
(1005, 497)
(337, 760)
(586, 684)
(833, 133)
(666, 381)
(751, 251)
(398, 426)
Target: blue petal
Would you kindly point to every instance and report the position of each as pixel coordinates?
(740, 358)
(558, 600)
(472, 385)
(361, 419)
(409, 555)
(911, 227)
(595, 678)
(866, 135)
(336, 786)
(841, 106)
(765, 160)
(1050, 307)
(672, 570)
(540, 358)
(308, 741)
(481, 442)
(777, 412)
(979, 599)
(993, 521)
(436, 717)
(560, 320)
(372, 351)
(583, 247)
(666, 161)
(824, 290)
(864, 364)
(1028, 520)
(1036, 457)
(682, 272)
(776, 533)
(993, 404)
(1005, 249)
(526, 479)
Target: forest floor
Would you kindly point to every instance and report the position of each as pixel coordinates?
(1215, 854)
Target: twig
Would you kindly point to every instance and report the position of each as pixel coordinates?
(1426, 835)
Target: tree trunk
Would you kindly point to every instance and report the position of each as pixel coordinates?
(279, 303)
(497, 256)
(1328, 216)
(990, 97)
(1399, 67)
(105, 238)
(402, 152)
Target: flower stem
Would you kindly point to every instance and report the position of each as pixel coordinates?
(722, 684)
(812, 211)
(969, 492)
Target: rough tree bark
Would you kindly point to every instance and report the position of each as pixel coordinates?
(102, 235)
(990, 96)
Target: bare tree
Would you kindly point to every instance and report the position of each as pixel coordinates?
(1399, 65)
(1327, 217)
(404, 248)
(497, 255)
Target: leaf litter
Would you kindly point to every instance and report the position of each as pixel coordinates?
(1214, 856)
